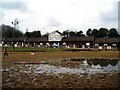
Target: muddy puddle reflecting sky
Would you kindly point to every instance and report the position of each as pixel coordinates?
(87, 66)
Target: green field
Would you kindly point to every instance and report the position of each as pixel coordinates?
(10, 49)
(35, 49)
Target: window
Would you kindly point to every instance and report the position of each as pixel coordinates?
(96, 44)
(114, 44)
(108, 47)
(41, 44)
(100, 47)
(87, 43)
(64, 43)
(105, 44)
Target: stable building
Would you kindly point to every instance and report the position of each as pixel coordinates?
(36, 42)
(78, 42)
(18, 42)
(56, 39)
(107, 43)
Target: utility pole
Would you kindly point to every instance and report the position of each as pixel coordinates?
(15, 23)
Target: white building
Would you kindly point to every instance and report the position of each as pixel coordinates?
(55, 36)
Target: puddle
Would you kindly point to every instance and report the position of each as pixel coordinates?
(40, 75)
(56, 70)
(4, 70)
(87, 66)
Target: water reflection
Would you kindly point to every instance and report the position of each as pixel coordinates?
(96, 66)
(95, 62)
(114, 63)
(102, 63)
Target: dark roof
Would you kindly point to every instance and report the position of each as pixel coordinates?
(70, 39)
(59, 32)
(78, 39)
(40, 39)
(15, 39)
(107, 40)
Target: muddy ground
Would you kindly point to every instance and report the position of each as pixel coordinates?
(24, 76)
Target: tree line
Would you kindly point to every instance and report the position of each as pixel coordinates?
(102, 32)
(9, 32)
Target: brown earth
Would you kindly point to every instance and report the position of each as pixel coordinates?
(47, 56)
(16, 79)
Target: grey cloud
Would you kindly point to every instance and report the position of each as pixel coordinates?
(110, 16)
(119, 16)
(76, 2)
(70, 28)
(1, 16)
(53, 22)
(14, 5)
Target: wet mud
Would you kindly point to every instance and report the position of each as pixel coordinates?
(63, 71)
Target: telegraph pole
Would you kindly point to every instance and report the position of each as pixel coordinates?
(15, 23)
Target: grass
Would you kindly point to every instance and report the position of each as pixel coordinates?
(10, 49)
(34, 49)
(52, 49)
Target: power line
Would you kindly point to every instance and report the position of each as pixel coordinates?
(15, 23)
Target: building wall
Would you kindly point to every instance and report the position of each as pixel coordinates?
(55, 39)
(54, 36)
(106, 46)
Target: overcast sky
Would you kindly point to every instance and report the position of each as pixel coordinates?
(51, 15)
